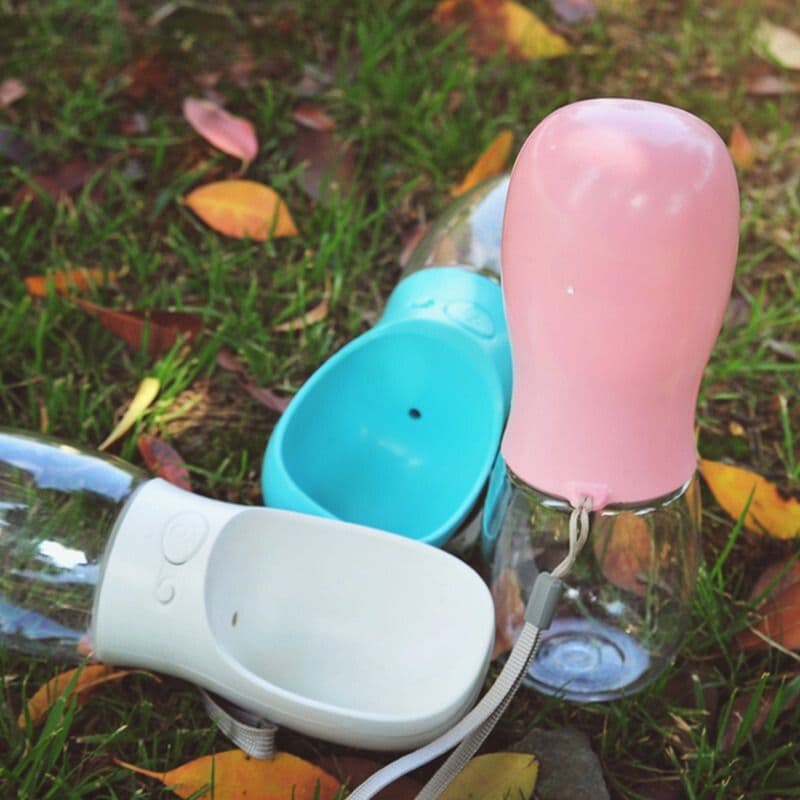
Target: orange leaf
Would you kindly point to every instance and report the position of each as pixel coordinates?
(236, 776)
(164, 328)
(780, 621)
(741, 148)
(317, 314)
(354, 770)
(509, 611)
(67, 281)
(242, 209)
(491, 161)
(88, 678)
(501, 25)
(163, 459)
(233, 135)
(623, 546)
(769, 512)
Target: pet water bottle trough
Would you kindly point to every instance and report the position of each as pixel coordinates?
(350, 634)
(399, 429)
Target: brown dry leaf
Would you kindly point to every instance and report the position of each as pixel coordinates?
(66, 179)
(771, 85)
(229, 361)
(328, 163)
(11, 90)
(778, 43)
(231, 134)
(142, 400)
(267, 398)
(150, 76)
(738, 711)
(160, 329)
(313, 117)
(501, 25)
(509, 612)
(232, 775)
(316, 314)
(769, 512)
(164, 460)
(88, 678)
(492, 161)
(353, 771)
(67, 281)
(623, 547)
(777, 591)
(495, 776)
(741, 148)
(242, 209)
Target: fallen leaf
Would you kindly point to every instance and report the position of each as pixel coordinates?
(623, 547)
(495, 776)
(501, 25)
(492, 161)
(142, 400)
(64, 282)
(233, 135)
(66, 179)
(164, 460)
(230, 361)
(780, 44)
(267, 398)
(509, 612)
(313, 117)
(241, 70)
(232, 775)
(328, 163)
(79, 682)
(742, 705)
(572, 11)
(150, 76)
(160, 329)
(770, 511)
(741, 148)
(777, 592)
(11, 90)
(771, 86)
(316, 314)
(353, 771)
(13, 147)
(775, 579)
(242, 209)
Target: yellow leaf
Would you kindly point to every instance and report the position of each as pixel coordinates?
(780, 44)
(496, 776)
(316, 314)
(491, 161)
(66, 281)
(236, 776)
(741, 147)
(242, 209)
(770, 512)
(142, 400)
(88, 678)
(528, 37)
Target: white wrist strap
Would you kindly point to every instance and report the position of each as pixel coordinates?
(252, 734)
(469, 733)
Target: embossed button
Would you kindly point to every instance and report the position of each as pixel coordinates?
(183, 536)
(472, 317)
(165, 591)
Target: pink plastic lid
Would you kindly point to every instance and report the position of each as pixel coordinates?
(619, 244)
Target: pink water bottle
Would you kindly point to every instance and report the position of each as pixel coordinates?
(619, 244)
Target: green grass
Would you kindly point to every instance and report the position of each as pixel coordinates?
(418, 108)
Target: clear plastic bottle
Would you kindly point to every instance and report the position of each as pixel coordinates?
(626, 601)
(58, 506)
(468, 233)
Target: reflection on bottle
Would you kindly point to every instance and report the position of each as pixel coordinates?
(57, 508)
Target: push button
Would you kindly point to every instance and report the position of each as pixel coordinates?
(165, 592)
(183, 536)
(472, 317)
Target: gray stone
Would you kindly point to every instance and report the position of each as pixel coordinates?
(568, 767)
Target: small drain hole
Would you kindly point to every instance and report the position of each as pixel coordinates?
(414, 413)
